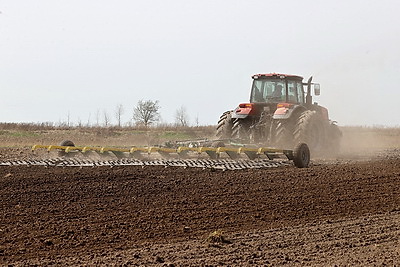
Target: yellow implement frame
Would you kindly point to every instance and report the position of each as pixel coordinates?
(139, 152)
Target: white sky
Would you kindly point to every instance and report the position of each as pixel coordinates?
(84, 57)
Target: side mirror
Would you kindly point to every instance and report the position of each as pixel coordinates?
(317, 90)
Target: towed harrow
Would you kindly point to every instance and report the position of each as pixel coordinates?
(187, 155)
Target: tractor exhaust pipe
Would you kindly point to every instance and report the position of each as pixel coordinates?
(308, 96)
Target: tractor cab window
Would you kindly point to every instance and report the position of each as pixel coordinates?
(295, 92)
(292, 92)
(300, 92)
(268, 91)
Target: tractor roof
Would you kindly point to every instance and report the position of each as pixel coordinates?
(277, 76)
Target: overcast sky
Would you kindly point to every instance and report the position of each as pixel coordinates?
(85, 57)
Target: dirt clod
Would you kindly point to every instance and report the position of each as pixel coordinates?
(159, 259)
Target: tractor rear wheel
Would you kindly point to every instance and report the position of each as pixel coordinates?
(310, 129)
(240, 130)
(224, 127)
(282, 135)
(335, 137)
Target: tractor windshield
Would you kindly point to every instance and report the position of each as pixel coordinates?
(275, 91)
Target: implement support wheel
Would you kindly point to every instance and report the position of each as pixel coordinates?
(62, 153)
(301, 155)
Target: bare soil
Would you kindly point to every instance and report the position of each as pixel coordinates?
(343, 212)
(340, 211)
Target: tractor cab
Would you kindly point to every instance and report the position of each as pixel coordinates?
(277, 88)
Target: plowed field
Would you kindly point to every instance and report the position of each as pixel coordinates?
(335, 212)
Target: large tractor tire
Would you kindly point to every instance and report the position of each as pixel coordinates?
(240, 130)
(310, 129)
(224, 127)
(334, 140)
(282, 134)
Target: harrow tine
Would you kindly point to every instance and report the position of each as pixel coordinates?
(251, 153)
(136, 152)
(211, 152)
(233, 153)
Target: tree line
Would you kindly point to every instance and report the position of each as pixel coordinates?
(146, 113)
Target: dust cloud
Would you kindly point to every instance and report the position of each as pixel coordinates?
(370, 142)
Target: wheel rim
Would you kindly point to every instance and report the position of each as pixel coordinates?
(304, 155)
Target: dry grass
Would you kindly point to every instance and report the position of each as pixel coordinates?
(355, 139)
(22, 135)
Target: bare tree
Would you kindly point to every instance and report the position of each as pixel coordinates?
(196, 120)
(88, 121)
(98, 118)
(181, 117)
(106, 118)
(146, 112)
(79, 125)
(119, 111)
(68, 119)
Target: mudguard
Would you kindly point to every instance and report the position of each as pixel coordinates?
(324, 112)
(239, 116)
(285, 111)
(243, 111)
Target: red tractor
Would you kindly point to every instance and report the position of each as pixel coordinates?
(281, 114)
